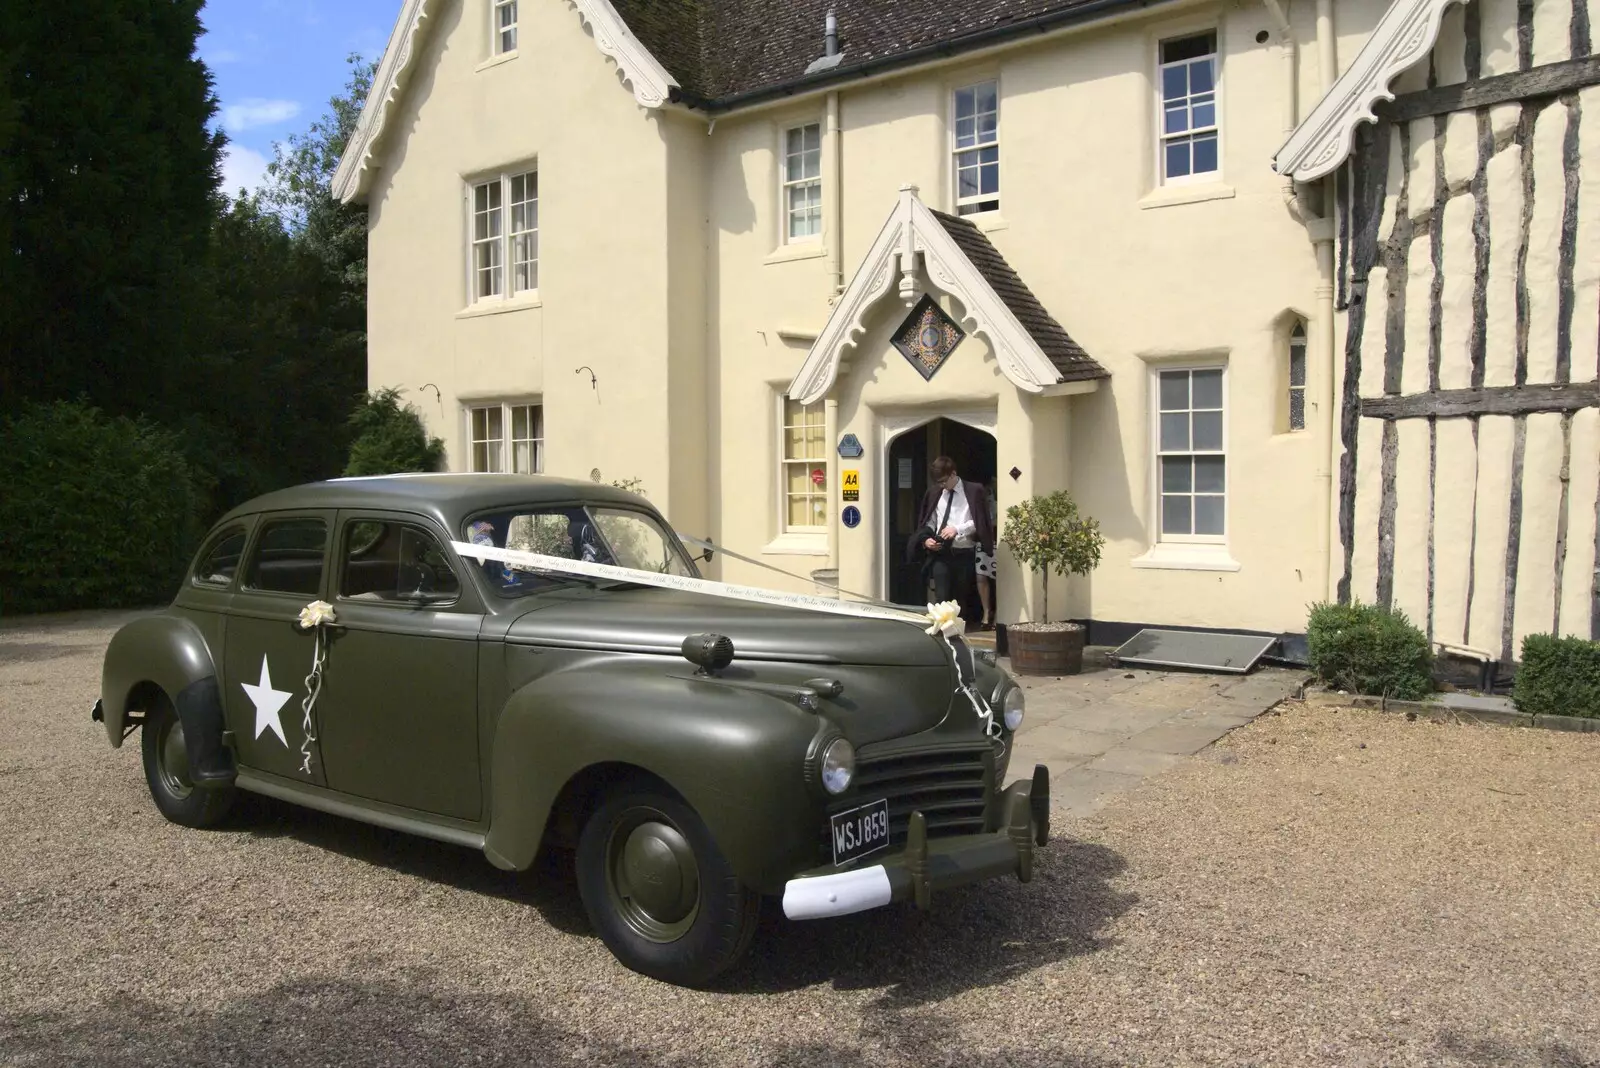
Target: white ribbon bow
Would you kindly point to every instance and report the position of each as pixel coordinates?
(312, 617)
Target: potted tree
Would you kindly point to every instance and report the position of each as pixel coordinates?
(1047, 534)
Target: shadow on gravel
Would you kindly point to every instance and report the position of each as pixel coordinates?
(549, 886)
(29, 652)
(400, 1021)
(1496, 1053)
(976, 936)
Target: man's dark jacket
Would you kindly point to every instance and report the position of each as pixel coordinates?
(932, 509)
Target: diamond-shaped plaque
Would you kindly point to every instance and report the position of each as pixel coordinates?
(928, 337)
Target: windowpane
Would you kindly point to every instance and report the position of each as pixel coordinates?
(1208, 515)
(522, 457)
(966, 133)
(799, 512)
(985, 97)
(1205, 114)
(1177, 159)
(288, 557)
(1200, 80)
(221, 559)
(1207, 389)
(1207, 431)
(1297, 409)
(989, 178)
(1174, 390)
(966, 103)
(1205, 154)
(1176, 474)
(1188, 77)
(524, 232)
(1175, 431)
(505, 25)
(394, 562)
(1297, 363)
(1177, 118)
(1210, 474)
(1174, 83)
(1175, 517)
(1180, 48)
(977, 151)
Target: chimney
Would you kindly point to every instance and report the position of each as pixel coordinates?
(830, 46)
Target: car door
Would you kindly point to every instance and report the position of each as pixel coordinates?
(399, 691)
(266, 655)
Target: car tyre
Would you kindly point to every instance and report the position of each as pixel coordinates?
(659, 892)
(166, 770)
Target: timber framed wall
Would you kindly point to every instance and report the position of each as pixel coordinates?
(1469, 251)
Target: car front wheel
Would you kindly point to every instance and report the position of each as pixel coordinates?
(659, 891)
(166, 769)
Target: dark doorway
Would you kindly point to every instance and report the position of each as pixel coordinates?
(973, 451)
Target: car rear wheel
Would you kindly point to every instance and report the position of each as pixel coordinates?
(659, 892)
(166, 769)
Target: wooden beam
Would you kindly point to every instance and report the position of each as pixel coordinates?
(1549, 79)
(1485, 400)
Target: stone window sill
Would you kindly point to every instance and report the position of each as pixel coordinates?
(500, 307)
(800, 250)
(799, 544)
(495, 61)
(1186, 556)
(1169, 195)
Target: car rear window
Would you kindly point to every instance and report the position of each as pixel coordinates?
(220, 560)
(288, 557)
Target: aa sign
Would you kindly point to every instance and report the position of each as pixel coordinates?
(850, 483)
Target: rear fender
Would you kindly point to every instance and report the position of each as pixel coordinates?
(736, 757)
(165, 651)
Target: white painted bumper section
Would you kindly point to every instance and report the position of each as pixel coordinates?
(836, 895)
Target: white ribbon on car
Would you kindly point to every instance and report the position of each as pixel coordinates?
(942, 620)
(313, 617)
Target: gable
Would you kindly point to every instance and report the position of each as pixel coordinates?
(648, 80)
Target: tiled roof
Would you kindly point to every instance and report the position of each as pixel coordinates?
(1067, 355)
(718, 49)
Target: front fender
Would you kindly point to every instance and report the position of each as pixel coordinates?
(163, 649)
(737, 757)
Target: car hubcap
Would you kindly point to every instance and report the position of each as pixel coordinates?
(175, 760)
(655, 883)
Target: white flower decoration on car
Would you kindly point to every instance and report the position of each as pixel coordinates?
(315, 614)
(945, 618)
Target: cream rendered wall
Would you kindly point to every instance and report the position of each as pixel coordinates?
(612, 227)
(1139, 276)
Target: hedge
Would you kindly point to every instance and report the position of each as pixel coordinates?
(1558, 677)
(98, 512)
(1369, 649)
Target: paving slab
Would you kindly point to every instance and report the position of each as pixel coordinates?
(1126, 760)
(1059, 742)
(1177, 737)
(1082, 791)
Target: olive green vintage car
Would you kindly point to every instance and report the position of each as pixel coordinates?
(697, 753)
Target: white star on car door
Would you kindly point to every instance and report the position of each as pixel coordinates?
(267, 701)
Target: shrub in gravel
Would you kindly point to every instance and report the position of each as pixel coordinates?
(1370, 649)
(98, 512)
(1558, 677)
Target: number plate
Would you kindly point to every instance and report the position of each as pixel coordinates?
(860, 831)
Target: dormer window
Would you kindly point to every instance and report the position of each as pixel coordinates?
(505, 26)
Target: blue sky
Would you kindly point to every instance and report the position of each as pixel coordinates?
(277, 63)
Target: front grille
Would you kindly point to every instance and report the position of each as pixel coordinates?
(949, 785)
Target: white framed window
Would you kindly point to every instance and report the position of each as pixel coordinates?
(803, 469)
(504, 229)
(1191, 473)
(508, 436)
(1189, 119)
(503, 25)
(1297, 377)
(976, 148)
(802, 181)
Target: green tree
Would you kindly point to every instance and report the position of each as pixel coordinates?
(390, 438)
(1047, 534)
(109, 191)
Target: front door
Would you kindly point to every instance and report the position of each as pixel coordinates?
(266, 656)
(910, 455)
(399, 708)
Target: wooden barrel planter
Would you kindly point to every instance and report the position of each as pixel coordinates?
(1046, 648)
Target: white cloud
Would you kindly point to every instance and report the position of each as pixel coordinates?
(242, 168)
(254, 112)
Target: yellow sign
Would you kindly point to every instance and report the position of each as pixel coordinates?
(851, 484)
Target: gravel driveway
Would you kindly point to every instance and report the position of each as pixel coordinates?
(1319, 888)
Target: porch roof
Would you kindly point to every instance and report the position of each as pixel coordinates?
(933, 251)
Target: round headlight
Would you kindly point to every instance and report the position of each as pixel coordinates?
(1012, 708)
(838, 766)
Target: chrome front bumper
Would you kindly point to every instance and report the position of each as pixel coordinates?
(923, 866)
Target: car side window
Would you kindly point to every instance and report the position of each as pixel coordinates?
(395, 562)
(288, 557)
(220, 560)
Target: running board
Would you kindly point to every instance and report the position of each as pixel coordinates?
(325, 801)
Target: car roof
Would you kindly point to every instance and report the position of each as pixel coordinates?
(448, 498)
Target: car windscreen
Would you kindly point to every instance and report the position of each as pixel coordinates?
(618, 536)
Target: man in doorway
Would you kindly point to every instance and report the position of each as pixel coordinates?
(955, 526)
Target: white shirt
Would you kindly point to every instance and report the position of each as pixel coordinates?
(960, 516)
